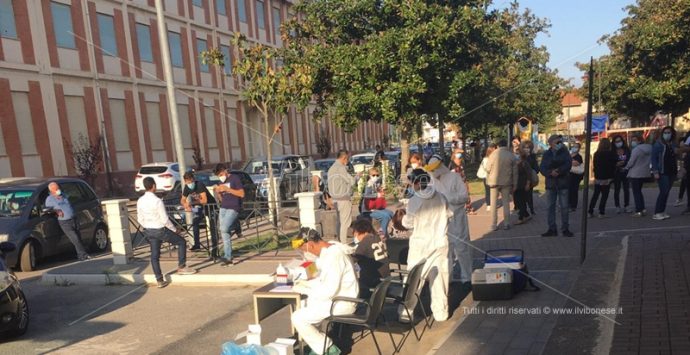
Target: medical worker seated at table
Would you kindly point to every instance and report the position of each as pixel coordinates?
(427, 216)
(336, 278)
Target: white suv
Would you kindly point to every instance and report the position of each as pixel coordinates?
(166, 175)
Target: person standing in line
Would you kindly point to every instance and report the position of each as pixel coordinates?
(638, 171)
(528, 147)
(665, 168)
(577, 171)
(427, 216)
(69, 223)
(340, 186)
(604, 163)
(620, 180)
(685, 149)
(481, 173)
(230, 193)
(555, 166)
(158, 229)
(502, 178)
(524, 186)
(195, 198)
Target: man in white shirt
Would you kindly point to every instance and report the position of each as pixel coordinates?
(152, 217)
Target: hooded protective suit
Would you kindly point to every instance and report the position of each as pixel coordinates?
(427, 216)
(454, 189)
(336, 278)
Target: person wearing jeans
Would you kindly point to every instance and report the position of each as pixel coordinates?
(620, 180)
(66, 218)
(555, 166)
(664, 169)
(158, 228)
(230, 193)
(638, 171)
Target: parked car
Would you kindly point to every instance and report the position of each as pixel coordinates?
(167, 176)
(292, 171)
(37, 234)
(14, 308)
(362, 162)
(394, 161)
(172, 198)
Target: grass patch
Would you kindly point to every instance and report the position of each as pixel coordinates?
(268, 241)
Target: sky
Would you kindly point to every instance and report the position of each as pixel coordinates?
(576, 27)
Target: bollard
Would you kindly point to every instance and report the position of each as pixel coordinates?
(308, 203)
(118, 230)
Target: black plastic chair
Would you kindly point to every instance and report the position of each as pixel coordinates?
(406, 294)
(397, 251)
(368, 320)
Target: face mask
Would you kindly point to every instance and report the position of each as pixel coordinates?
(374, 178)
(58, 192)
(633, 144)
(667, 136)
(222, 178)
(559, 146)
(308, 256)
(191, 186)
(414, 165)
(619, 144)
(573, 150)
(458, 155)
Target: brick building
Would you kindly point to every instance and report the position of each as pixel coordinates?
(90, 67)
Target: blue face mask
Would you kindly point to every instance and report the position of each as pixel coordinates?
(191, 186)
(633, 144)
(559, 146)
(667, 136)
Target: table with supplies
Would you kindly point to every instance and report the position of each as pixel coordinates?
(271, 298)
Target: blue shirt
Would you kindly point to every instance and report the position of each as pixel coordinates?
(61, 204)
(230, 201)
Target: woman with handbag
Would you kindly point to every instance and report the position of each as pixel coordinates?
(577, 171)
(604, 171)
(481, 173)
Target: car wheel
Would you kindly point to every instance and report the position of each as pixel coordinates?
(100, 239)
(22, 315)
(27, 260)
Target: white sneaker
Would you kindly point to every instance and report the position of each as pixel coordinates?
(666, 215)
(658, 217)
(678, 203)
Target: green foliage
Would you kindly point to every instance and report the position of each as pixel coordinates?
(648, 68)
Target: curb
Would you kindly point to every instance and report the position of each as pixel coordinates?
(106, 279)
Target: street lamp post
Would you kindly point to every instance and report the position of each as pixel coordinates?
(170, 81)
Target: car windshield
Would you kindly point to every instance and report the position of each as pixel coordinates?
(362, 159)
(323, 165)
(207, 179)
(261, 167)
(12, 202)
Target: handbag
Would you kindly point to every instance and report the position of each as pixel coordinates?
(481, 172)
(580, 169)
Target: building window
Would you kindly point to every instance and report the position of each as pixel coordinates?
(175, 43)
(276, 22)
(144, 43)
(197, 3)
(106, 31)
(260, 16)
(201, 47)
(220, 7)
(7, 25)
(227, 62)
(242, 11)
(62, 25)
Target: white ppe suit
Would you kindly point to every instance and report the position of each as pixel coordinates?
(454, 189)
(336, 278)
(427, 216)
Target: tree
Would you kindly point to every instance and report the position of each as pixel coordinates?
(648, 68)
(270, 83)
(87, 157)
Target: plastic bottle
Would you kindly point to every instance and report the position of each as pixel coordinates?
(281, 275)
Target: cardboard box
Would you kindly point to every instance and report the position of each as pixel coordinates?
(253, 335)
(283, 346)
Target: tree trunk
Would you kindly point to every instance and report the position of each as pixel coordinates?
(273, 211)
(404, 152)
(441, 138)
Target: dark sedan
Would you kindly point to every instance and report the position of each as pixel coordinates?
(14, 309)
(37, 234)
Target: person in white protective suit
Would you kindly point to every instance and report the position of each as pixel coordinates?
(336, 278)
(454, 189)
(427, 216)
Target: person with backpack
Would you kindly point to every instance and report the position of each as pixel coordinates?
(604, 171)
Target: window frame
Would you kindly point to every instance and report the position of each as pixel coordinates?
(260, 20)
(111, 52)
(10, 14)
(172, 55)
(242, 10)
(64, 42)
(137, 26)
(276, 26)
(204, 68)
(198, 3)
(224, 7)
(227, 69)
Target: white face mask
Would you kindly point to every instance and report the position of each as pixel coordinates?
(374, 178)
(414, 165)
(58, 192)
(458, 155)
(309, 256)
(222, 178)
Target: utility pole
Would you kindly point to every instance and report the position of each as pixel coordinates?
(588, 143)
(170, 81)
